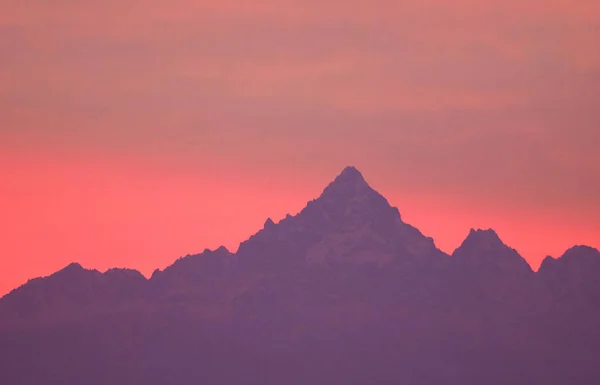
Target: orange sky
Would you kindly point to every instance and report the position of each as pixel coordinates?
(132, 133)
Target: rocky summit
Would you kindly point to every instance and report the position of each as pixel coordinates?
(344, 292)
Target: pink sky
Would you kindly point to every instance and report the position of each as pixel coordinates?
(132, 133)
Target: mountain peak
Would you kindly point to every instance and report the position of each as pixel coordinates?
(73, 270)
(576, 258)
(486, 239)
(479, 241)
(351, 172)
(349, 221)
(350, 176)
(348, 185)
(269, 223)
(548, 261)
(581, 251)
(485, 248)
(576, 270)
(73, 266)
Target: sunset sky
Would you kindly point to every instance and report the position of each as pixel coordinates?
(134, 132)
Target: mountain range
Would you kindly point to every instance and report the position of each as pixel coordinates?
(344, 292)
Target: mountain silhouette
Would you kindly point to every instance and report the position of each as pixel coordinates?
(349, 223)
(344, 292)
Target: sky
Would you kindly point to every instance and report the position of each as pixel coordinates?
(132, 133)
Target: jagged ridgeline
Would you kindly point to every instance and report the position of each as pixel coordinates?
(344, 292)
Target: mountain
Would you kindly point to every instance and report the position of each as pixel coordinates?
(344, 292)
(349, 223)
(571, 281)
(483, 250)
(70, 291)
